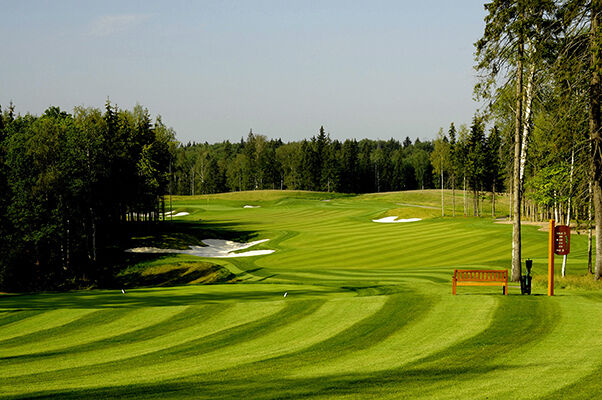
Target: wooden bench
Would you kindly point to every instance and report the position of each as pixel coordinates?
(480, 277)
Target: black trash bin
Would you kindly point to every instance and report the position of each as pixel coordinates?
(525, 280)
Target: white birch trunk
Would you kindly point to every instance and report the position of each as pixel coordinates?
(518, 185)
(465, 195)
(453, 195)
(516, 189)
(527, 123)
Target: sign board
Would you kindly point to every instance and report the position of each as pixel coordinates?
(562, 236)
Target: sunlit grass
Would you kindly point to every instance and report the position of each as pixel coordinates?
(368, 311)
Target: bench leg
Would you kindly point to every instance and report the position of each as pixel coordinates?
(454, 286)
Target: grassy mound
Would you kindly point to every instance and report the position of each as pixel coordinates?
(169, 271)
(368, 313)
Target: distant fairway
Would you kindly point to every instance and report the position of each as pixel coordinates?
(369, 313)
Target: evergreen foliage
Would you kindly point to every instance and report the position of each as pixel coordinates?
(68, 185)
(318, 164)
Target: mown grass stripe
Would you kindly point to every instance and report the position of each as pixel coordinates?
(586, 388)
(9, 317)
(182, 319)
(416, 340)
(178, 352)
(143, 350)
(396, 312)
(357, 271)
(568, 343)
(92, 327)
(77, 322)
(517, 322)
(39, 321)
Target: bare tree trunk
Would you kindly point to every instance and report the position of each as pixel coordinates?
(594, 130)
(170, 191)
(598, 219)
(589, 229)
(534, 212)
(93, 235)
(516, 231)
(556, 216)
(192, 181)
(493, 201)
(453, 195)
(68, 255)
(481, 200)
(465, 213)
(377, 177)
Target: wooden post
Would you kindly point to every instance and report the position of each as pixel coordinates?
(551, 260)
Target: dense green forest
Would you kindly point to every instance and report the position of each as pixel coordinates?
(68, 184)
(318, 164)
(466, 157)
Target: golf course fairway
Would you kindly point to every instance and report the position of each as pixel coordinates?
(368, 312)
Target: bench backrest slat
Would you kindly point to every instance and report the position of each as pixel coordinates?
(492, 275)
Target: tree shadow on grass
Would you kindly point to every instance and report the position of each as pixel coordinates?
(175, 272)
(457, 366)
(181, 234)
(275, 386)
(168, 235)
(151, 297)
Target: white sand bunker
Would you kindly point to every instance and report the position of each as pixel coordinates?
(216, 248)
(394, 220)
(248, 206)
(180, 214)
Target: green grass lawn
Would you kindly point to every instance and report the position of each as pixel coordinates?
(368, 313)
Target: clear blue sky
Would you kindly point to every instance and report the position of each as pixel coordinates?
(215, 69)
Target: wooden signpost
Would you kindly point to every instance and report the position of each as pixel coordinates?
(559, 243)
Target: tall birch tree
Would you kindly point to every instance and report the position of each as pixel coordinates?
(595, 126)
(513, 32)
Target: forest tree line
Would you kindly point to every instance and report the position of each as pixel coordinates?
(468, 158)
(319, 164)
(68, 184)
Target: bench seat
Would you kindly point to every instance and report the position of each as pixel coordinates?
(480, 277)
